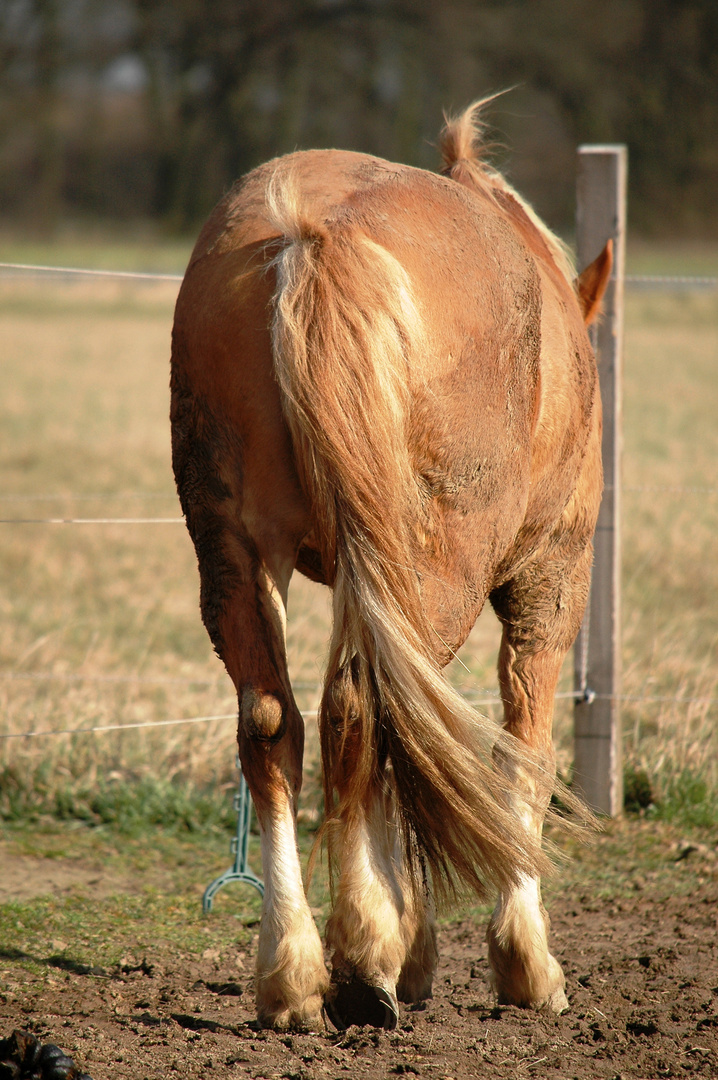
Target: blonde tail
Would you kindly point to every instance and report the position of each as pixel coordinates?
(345, 329)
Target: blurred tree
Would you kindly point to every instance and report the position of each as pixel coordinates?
(670, 114)
(644, 72)
(49, 149)
(30, 63)
(232, 83)
(150, 108)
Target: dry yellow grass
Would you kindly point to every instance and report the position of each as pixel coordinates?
(670, 569)
(110, 611)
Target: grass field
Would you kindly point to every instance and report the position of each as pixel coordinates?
(101, 622)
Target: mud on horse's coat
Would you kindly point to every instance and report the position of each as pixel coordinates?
(381, 378)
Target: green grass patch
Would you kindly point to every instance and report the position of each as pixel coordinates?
(97, 894)
(132, 807)
(687, 798)
(154, 924)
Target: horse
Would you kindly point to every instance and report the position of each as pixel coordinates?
(381, 378)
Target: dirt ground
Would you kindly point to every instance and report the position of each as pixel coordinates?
(642, 980)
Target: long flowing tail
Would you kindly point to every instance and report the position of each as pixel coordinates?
(345, 329)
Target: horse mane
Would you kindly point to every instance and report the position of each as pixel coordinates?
(463, 151)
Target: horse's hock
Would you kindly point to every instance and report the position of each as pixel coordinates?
(382, 377)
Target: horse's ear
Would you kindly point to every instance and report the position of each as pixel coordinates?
(591, 283)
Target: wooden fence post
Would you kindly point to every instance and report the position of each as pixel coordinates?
(598, 771)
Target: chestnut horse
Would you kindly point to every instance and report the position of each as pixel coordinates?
(381, 378)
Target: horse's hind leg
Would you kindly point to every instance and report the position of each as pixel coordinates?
(541, 610)
(291, 976)
(381, 932)
(364, 932)
(381, 935)
(246, 555)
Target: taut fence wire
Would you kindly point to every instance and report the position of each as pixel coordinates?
(308, 714)
(29, 269)
(672, 489)
(635, 281)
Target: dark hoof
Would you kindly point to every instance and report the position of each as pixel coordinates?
(355, 1002)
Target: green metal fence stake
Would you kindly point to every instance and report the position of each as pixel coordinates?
(240, 871)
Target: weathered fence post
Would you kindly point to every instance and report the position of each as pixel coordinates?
(598, 773)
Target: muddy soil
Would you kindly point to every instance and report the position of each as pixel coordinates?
(642, 979)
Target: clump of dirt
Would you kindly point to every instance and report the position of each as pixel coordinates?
(642, 981)
(23, 1057)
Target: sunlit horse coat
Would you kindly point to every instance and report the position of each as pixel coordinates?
(381, 378)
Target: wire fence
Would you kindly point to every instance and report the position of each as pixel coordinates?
(644, 282)
(494, 699)
(478, 698)
(10, 270)
(666, 489)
